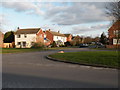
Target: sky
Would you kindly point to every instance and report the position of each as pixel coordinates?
(77, 18)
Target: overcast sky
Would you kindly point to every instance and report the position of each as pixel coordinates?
(77, 18)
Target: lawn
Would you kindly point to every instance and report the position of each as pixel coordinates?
(106, 58)
(59, 48)
(20, 50)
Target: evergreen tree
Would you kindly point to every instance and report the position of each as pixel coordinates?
(103, 38)
(9, 37)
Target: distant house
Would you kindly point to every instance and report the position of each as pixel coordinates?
(24, 38)
(114, 32)
(69, 37)
(55, 36)
(1, 39)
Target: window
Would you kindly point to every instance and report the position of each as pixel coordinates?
(45, 38)
(18, 36)
(18, 43)
(25, 35)
(116, 41)
(32, 43)
(117, 32)
(40, 35)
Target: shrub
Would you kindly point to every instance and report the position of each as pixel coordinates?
(67, 44)
(38, 45)
(54, 44)
(73, 43)
(61, 45)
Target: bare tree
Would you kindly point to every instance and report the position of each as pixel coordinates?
(113, 10)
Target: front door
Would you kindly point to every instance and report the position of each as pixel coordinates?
(24, 44)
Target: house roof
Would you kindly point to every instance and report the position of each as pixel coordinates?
(56, 33)
(27, 31)
(1, 33)
(115, 25)
(67, 35)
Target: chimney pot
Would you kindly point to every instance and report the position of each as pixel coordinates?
(18, 28)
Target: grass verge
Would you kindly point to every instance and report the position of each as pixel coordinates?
(20, 50)
(106, 58)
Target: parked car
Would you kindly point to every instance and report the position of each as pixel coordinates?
(83, 45)
(100, 45)
(97, 45)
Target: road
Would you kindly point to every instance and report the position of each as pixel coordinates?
(33, 70)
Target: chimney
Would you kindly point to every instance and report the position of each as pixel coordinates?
(58, 31)
(18, 28)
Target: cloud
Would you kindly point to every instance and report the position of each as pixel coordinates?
(77, 13)
(3, 21)
(28, 7)
(62, 13)
(53, 27)
(84, 29)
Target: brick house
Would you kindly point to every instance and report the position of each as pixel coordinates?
(114, 33)
(55, 36)
(69, 37)
(24, 38)
(1, 39)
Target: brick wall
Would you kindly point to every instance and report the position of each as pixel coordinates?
(112, 46)
(1, 39)
(69, 38)
(49, 36)
(40, 36)
(114, 27)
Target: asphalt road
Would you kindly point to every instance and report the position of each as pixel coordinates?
(33, 70)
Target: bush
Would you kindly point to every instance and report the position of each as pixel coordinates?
(67, 44)
(73, 43)
(54, 44)
(61, 45)
(38, 45)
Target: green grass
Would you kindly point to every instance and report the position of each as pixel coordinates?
(58, 48)
(108, 58)
(105, 49)
(20, 50)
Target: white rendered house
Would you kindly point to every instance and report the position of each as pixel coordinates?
(24, 38)
(56, 36)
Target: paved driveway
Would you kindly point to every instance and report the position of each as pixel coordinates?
(33, 70)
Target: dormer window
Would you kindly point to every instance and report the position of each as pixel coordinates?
(18, 36)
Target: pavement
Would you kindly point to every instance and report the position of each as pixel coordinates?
(33, 70)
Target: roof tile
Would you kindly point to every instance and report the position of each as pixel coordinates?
(27, 31)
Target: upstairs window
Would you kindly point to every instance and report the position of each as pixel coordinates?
(18, 36)
(45, 38)
(40, 35)
(117, 32)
